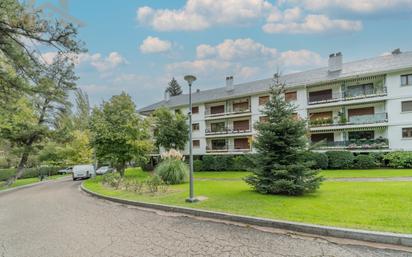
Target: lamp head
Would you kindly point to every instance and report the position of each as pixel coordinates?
(190, 78)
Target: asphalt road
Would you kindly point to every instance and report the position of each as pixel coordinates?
(56, 219)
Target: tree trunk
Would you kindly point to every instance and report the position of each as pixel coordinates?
(20, 167)
(120, 168)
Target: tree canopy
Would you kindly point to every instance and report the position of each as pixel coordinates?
(119, 134)
(171, 129)
(174, 88)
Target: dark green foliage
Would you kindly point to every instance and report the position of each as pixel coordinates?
(399, 159)
(172, 171)
(197, 165)
(174, 88)
(318, 160)
(279, 168)
(340, 159)
(217, 163)
(243, 162)
(365, 161)
(171, 129)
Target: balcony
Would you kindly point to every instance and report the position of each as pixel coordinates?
(227, 130)
(348, 95)
(229, 148)
(232, 107)
(353, 120)
(359, 144)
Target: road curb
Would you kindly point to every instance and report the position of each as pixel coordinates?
(28, 185)
(355, 234)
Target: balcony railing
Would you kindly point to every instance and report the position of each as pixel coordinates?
(227, 130)
(226, 148)
(379, 143)
(228, 111)
(353, 120)
(346, 96)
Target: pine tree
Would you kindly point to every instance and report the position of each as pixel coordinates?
(174, 88)
(279, 168)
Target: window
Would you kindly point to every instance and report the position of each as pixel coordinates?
(407, 106)
(328, 137)
(358, 135)
(291, 96)
(217, 127)
(219, 144)
(241, 105)
(195, 126)
(263, 119)
(241, 143)
(406, 132)
(263, 99)
(406, 80)
(319, 96)
(195, 109)
(359, 90)
(217, 109)
(196, 143)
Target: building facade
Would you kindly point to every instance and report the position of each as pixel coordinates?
(360, 106)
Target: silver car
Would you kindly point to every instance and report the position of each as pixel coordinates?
(103, 170)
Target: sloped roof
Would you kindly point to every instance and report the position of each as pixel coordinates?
(371, 66)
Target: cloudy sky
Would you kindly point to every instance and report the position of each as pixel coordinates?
(137, 46)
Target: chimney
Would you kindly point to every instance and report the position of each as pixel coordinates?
(396, 51)
(197, 90)
(335, 62)
(167, 96)
(229, 83)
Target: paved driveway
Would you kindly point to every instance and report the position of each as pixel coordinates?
(56, 219)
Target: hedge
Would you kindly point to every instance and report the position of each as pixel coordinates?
(29, 172)
(223, 163)
(318, 160)
(340, 159)
(365, 161)
(399, 159)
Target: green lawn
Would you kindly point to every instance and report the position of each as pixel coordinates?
(26, 181)
(374, 173)
(383, 206)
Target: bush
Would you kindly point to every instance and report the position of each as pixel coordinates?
(379, 158)
(365, 161)
(155, 184)
(29, 172)
(399, 159)
(197, 165)
(6, 174)
(318, 160)
(112, 179)
(172, 171)
(243, 162)
(340, 159)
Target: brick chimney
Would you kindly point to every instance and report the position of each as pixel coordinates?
(229, 83)
(335, 62)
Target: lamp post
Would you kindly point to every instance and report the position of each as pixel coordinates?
(190, 79)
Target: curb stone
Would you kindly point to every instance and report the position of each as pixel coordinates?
(355, 234)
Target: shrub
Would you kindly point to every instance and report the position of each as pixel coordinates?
(172, 171)
(243, 162)
(379, 158)
(399, 159)
(318, 160)
(154, 183)
(197, 165)
(208, 163)
(30, 172)
(112, 179)
(365, 161)
(6, 174)
(340, 159)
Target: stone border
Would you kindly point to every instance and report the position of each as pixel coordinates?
(29, 185)
(355, 234)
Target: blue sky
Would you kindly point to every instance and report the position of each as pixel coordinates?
(138, 46)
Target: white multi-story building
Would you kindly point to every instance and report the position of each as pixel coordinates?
(360, 106)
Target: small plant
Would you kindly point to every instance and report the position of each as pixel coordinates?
(154, 183)
(113, 180)
(172, 171)
(136, 186)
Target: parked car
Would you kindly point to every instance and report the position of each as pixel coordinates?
(104, 169)
(83, 171)
(65, 170)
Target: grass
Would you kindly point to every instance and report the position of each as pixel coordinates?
(26, 181)
(382, 206)
(373, 173)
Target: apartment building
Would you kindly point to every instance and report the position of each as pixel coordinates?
(361, 106)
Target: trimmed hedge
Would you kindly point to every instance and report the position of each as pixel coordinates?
(223, 163)
(399, 159)
(365, 161)
(340, 159)
(318, 160)
(29, 172)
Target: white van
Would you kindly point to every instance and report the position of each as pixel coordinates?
(83, 171)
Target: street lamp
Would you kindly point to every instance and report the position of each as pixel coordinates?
(190, 79)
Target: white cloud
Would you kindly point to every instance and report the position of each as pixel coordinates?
(202, 14)
(361, 6)
(100, 63)
(313, 24)
(300, 58)
(238, 49)
(154, 45)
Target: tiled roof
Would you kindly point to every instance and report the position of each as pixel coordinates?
(371, 66)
